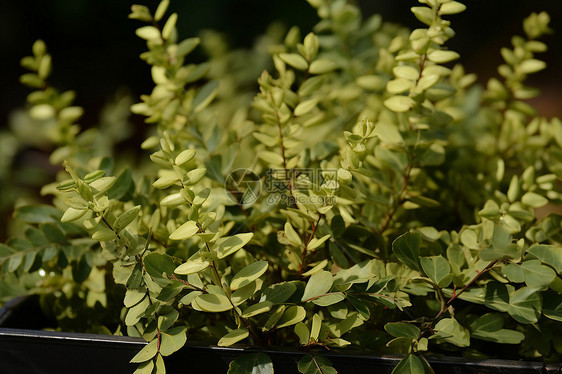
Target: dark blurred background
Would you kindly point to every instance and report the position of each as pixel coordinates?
(95, 50)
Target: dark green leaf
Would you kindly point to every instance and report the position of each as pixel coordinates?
(552, 306)
(402, 330)
(123, 186)
(452, 332)
(54, 233)
(536, 274)
(436, 268)
(35, 214)
(409, 365)
(135, 278)
(315, 364)
(549, 254)
(280, 292)
(156, 264)
(407, 248)
(254, 363)
(496, 296)
(82, 268)
(525, 305)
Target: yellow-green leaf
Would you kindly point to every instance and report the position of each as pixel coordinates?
(233, 336)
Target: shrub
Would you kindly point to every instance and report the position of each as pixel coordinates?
(370, 196)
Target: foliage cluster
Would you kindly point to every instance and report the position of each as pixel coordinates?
(370, 196)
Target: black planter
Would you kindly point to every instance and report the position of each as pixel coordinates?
(36, 351)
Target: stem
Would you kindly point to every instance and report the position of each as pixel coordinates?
(217, 281)
(305, 250)
(454, 296)
(390, 214)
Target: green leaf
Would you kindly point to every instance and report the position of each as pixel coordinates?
(244, 293)
(133, 296)
(233, 337)
(317, 242)
(147, 353)
(514, 273)
(172, 340)
(194, 176)
(212, 303)
(399, 85)
(318, 284)
(148, 33)
(502, 336)
(436, 268)
(488, 322)
(173, 200)
(205, 95)
(165, 181)
(184, 48)
(193, 265)
(536, 274)
(36, 214)
(534, 200)
(126, 218)
(280, 292)
(409, 365)
(158, 264)
(406, 72)
(103, 185)
(329, 299)
(502, 246)
(531, 66)
(402, 330)
(388, 133)
(452, 332)
(295, 60)
(549, 254)
(254, 363)
(496, 296)
(305, 107)
(489, 327)
(322, 66)
(188, 299)
(424, 14)
(169, 26)
(303, 333)
(442, 56)
(103, 234)
(228, 245)
(315, 327)
(525, 305)
(161, 10)
(185, 156)
(258, 308)
(399, 103)
(407, 248)
(315, 364)
(248, 274)
(145, 368)
(72, 214)
(123, 186)
(185, 231)
(452, 7)
(293, 315)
